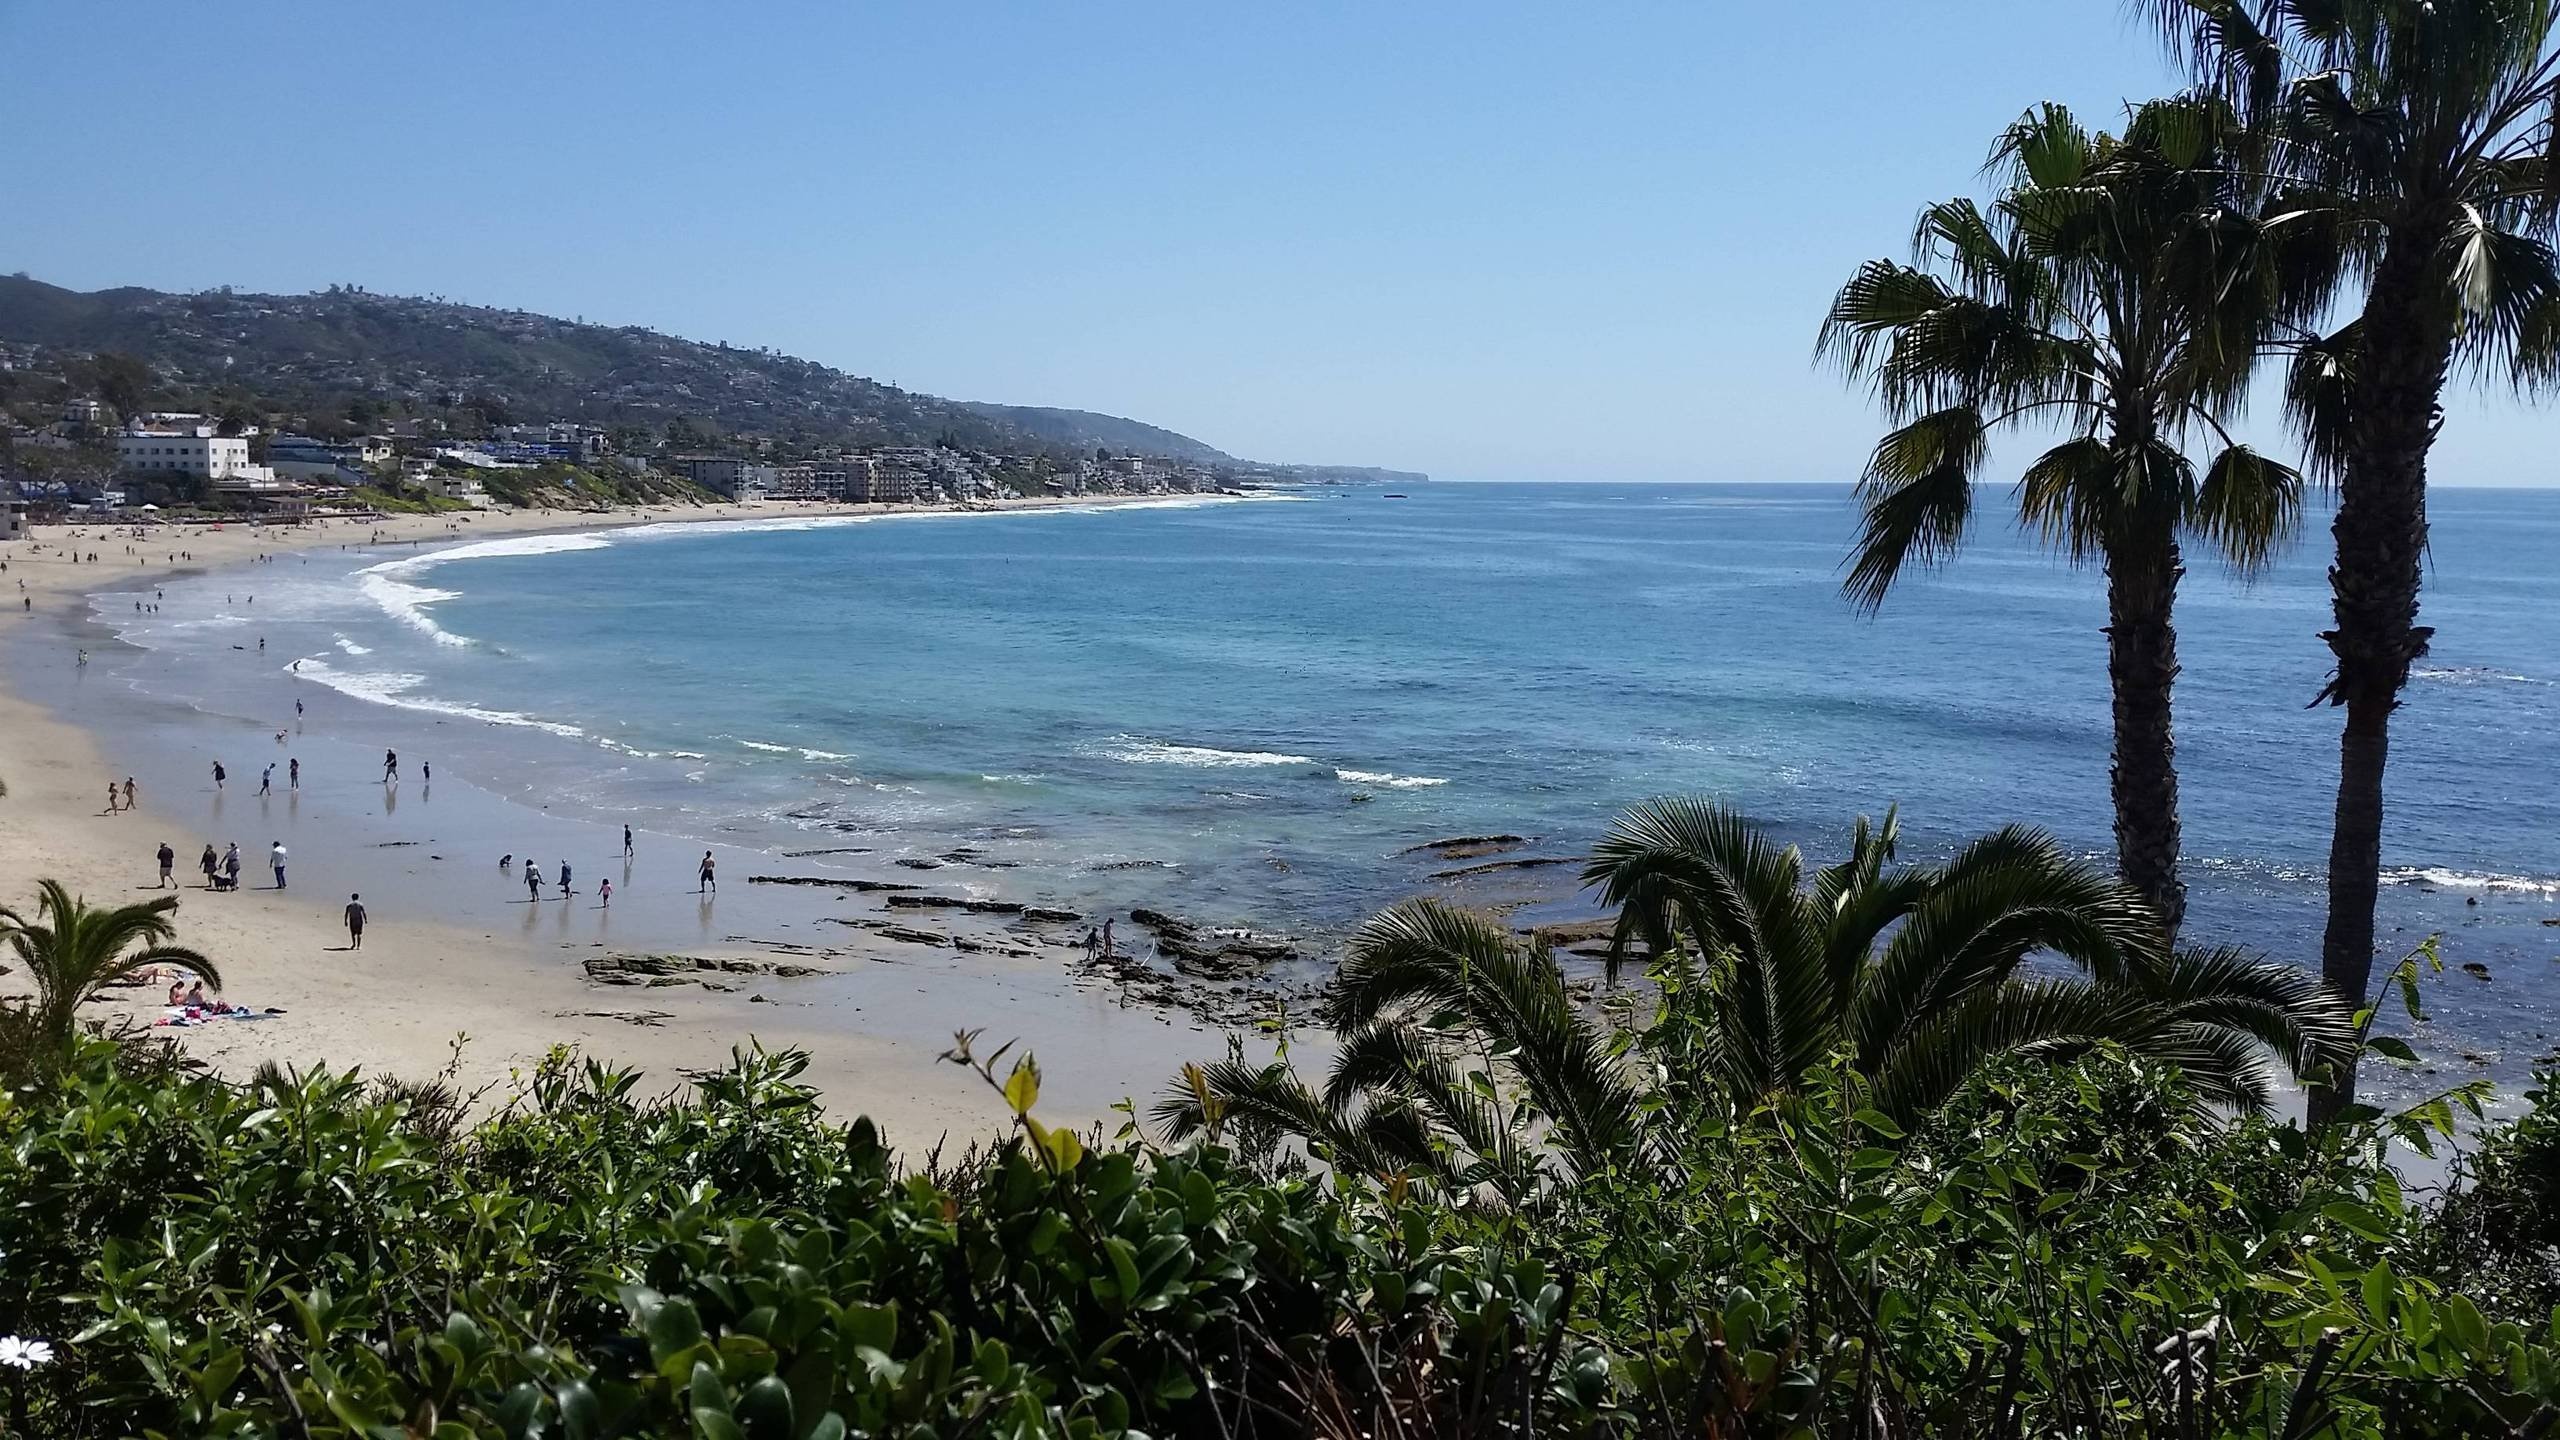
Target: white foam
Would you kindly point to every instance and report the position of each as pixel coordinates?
(408, 603)
(351, 647)
(395, 689)
(1136, 751)
(688, 755)
(1392, 782)
(823, 755)
(768, 749)
(2472, 675)
(2463, 880)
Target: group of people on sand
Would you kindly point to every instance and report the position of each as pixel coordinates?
(221, 870)
(706, 877)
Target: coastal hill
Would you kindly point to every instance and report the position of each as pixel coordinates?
(343, 347)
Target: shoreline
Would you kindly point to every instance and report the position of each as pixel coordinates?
(396, 1006)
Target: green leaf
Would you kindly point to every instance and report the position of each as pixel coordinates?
(765, 1411)
(1879, 1122)
(2357, 1218)
(1124, 1267)
(673, 1329)
(2380, 1289)
(2393, 1046)
(1022, 1087)
(2463, 1325)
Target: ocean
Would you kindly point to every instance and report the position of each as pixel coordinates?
(1250, 712)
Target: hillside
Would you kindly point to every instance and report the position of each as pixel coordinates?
(1082, 430)
(320, 352)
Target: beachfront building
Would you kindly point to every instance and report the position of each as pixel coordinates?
(299, 457)
(195, 452)
(462, 485)
(13, 519)
(722, 475)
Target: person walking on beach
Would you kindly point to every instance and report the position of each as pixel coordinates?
(355, 922)
(128, 792)
(532, 880)
(267, 781)
(390, 766)
(208, 864)
(275, 859)
(565, 891)
(626, 842)
(1092, 945)
(604, 894)
(293, 772)
(708, 879)
(168, 863)
(231, 864)
(427, 772)
(217, 774)
(113, 806)
(1106, 938)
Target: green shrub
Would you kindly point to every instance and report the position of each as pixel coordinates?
(297, 1253)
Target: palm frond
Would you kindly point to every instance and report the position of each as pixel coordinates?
(1915, 500)
(2247, 508)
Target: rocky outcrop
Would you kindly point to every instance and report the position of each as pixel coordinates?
(955, 902)
(1466, 847)
(1533, 862)
(682, 969)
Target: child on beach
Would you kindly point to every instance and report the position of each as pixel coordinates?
(604, 894)
(355, 922)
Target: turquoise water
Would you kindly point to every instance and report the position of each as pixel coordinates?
(1248, 712)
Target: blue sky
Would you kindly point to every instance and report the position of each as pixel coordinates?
(1495, 241)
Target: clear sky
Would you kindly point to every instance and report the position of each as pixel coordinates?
(1488, 240)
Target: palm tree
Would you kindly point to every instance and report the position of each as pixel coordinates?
(2114, 289)
(2422, 130)
(1408, 1093)
(1458, 1048)
(1921, 975)
(74, 950)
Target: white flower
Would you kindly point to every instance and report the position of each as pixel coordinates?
(24, 1354)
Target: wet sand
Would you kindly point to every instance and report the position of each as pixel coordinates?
(455, 948)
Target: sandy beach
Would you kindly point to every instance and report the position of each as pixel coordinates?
(872, 992)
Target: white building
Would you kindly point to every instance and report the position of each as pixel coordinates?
(464, 486)
(197, 452)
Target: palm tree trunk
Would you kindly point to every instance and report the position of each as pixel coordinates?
(2381, 533)
(2142, 666)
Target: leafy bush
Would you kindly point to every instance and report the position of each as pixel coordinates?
(2058, 1250)
(298, 1257)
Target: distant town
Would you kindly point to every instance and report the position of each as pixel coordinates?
(343, 401)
